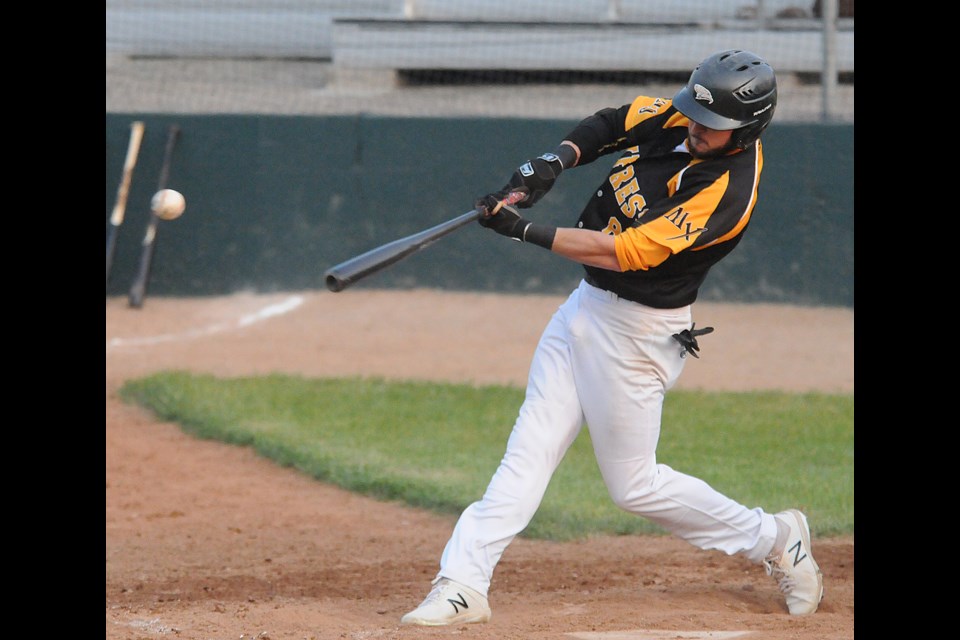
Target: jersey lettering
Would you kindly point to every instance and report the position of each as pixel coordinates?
(679, 220)
(677, 217)
(613, 228)
(627, 189)
(653, 108)
(618, 178)
(635, 206)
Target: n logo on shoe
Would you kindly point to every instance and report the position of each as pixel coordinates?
(462, 602)
(797, 550)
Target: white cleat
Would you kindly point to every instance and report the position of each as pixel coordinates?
(795, 569)
(449, 602)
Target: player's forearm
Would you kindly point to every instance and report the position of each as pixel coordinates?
(587, 247)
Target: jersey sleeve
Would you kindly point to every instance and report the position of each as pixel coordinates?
(607, 130)
(705, 212)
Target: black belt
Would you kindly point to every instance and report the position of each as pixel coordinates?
(590, 280)
(593, 283)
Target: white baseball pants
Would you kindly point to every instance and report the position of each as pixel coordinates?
(607, 363)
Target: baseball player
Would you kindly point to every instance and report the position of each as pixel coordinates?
(678, 198)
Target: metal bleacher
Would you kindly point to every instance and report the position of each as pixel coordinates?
(609, 35)
(587, 35)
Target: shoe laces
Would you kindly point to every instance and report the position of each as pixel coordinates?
(437, 593)
(785, 581)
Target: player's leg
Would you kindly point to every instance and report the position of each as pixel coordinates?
(547, 424)
(629, 372)
(625, 360)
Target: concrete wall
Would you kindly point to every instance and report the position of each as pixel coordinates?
(273, 201)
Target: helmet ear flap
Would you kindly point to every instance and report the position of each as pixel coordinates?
(743, 138)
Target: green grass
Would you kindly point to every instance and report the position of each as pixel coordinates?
(436, 446)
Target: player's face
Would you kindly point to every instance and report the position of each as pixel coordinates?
(705, 143)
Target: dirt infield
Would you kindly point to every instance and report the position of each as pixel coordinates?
(210, 541)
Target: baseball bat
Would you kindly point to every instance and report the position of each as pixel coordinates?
(341, 276)
(139, 288)
(120, 206)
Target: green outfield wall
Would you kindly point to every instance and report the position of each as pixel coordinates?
(273, 201)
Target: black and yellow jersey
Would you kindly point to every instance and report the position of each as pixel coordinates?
(673, 216)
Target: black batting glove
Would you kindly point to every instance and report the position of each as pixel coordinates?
(507, 222)
(537, 177)
(688, 339)
(490, 204)
(487, 204)
(533, 178)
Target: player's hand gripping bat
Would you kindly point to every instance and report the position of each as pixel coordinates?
(341, 276)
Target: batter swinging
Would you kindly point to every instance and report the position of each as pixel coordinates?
(678, 199)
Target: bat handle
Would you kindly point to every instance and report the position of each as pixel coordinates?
(515, 196)
(512, 198)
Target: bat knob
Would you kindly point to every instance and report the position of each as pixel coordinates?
(334, 283)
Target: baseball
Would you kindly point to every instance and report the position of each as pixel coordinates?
(168, 204)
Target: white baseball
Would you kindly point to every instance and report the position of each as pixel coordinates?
(168, 204)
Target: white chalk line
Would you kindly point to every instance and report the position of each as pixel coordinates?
(649, 634)
(269, 311)
(153, 626)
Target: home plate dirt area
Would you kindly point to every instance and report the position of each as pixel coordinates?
(209, 541)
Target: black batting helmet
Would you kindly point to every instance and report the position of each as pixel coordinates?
(733, 89)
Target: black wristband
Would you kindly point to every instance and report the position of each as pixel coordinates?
(541, 235)
(567, 155)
